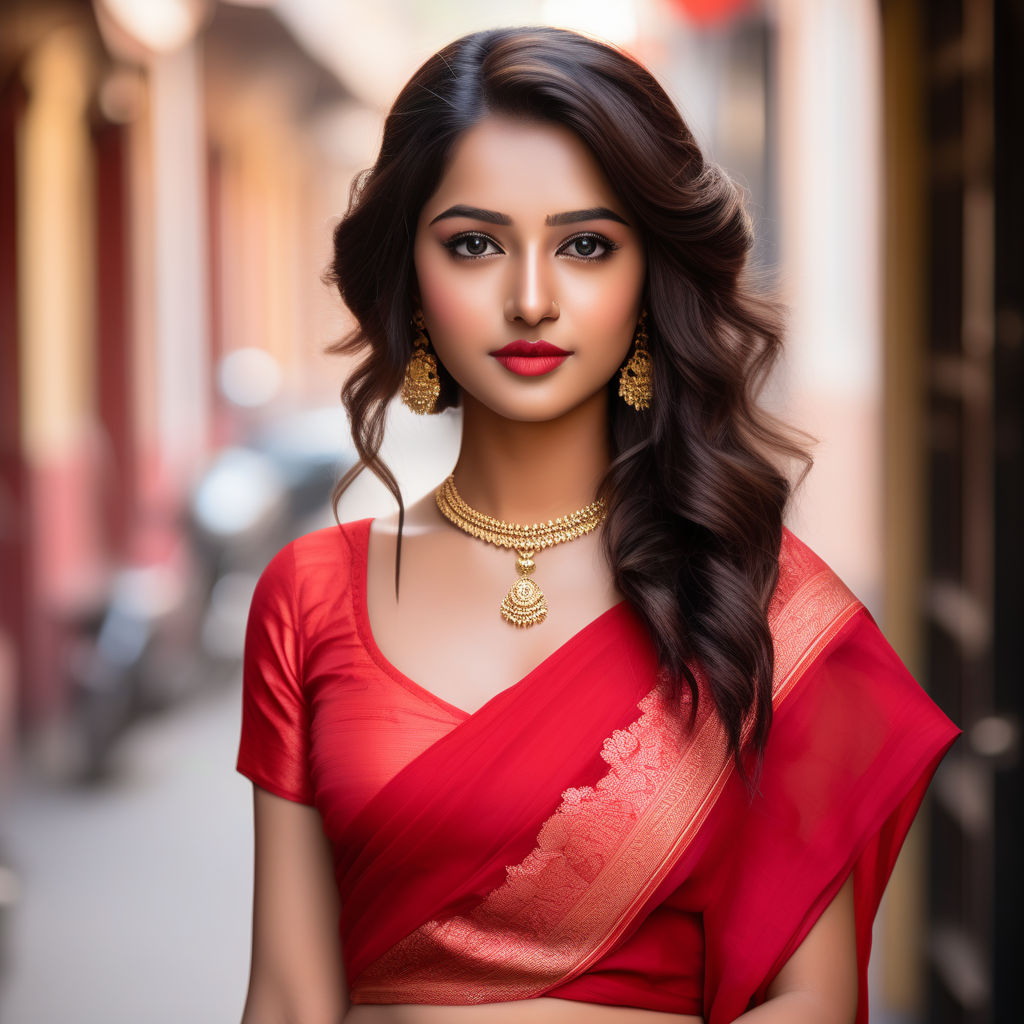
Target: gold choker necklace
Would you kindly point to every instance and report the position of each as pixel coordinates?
(524, 604)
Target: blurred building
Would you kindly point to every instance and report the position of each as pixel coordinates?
(165, 195)
(168, 174)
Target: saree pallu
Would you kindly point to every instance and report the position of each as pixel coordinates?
(583, 836)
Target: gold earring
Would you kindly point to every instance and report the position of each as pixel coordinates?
(635, 385)
(421, 386)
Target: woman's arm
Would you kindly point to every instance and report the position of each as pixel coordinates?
(818, 984)
(296, 973)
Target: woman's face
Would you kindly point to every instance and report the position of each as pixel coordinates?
(524, 242)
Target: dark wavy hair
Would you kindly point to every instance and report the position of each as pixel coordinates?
(694, 494)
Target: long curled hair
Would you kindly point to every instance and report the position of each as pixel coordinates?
(694, 494)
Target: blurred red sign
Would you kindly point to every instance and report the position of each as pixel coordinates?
(707, 12)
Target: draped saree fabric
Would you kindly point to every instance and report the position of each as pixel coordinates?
(580, 835)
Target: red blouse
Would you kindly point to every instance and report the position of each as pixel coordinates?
(328, 720)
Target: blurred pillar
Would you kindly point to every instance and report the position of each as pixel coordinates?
(261, 183)
(181, 323)
(828, 62)
(57, 344)
(113, 330)
(901, 973)
(14, 519)
(904, 507)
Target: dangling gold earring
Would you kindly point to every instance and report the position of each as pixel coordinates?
(635, 385)
(421, 386)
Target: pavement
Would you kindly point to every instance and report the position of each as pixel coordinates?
(135, 896)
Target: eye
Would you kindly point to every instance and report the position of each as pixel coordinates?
(587, 246)
(472, 244)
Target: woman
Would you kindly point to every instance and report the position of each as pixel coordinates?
(651, 762)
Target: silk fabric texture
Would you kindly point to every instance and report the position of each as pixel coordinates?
(579, 836)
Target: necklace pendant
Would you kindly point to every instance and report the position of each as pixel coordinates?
(524, 605)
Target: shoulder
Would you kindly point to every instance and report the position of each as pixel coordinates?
(800, 565)
(311, 582)
(318, 560)
(340, 544)
(827, 642)
(809, 598)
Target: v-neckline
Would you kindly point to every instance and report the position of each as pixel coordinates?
(361, 609)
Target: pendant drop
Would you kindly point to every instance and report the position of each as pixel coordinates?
(524, 605)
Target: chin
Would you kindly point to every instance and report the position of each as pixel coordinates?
(537, 401)
(539, 410)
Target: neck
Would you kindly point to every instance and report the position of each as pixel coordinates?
(529, 472)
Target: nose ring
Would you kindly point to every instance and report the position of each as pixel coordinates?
(511, 311)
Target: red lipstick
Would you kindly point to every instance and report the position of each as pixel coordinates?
(530, 358)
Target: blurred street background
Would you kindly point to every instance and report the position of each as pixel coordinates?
(170, 171)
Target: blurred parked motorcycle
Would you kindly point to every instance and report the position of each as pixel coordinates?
(175, 627)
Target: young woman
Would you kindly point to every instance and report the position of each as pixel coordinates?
(649, 761)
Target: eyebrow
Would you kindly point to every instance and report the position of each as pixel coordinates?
(474, 213)
(574, 216)
(552, 220)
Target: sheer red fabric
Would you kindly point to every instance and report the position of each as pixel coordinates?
(574, 837)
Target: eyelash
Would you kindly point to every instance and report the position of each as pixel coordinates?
(607, 243)
(456, 240)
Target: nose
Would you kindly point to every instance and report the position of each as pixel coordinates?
(530, 299)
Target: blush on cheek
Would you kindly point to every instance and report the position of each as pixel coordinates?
(619, 296)
(611, 293)
(452, 305)
(443, 305)
(437, 290)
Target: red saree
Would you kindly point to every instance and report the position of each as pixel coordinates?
(574, 837)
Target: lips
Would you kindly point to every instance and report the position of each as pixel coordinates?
(530, 358)
(519, 347)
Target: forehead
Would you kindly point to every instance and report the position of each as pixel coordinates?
(509, 164)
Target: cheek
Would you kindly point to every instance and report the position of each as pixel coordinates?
(452, 301)
(608, 303)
